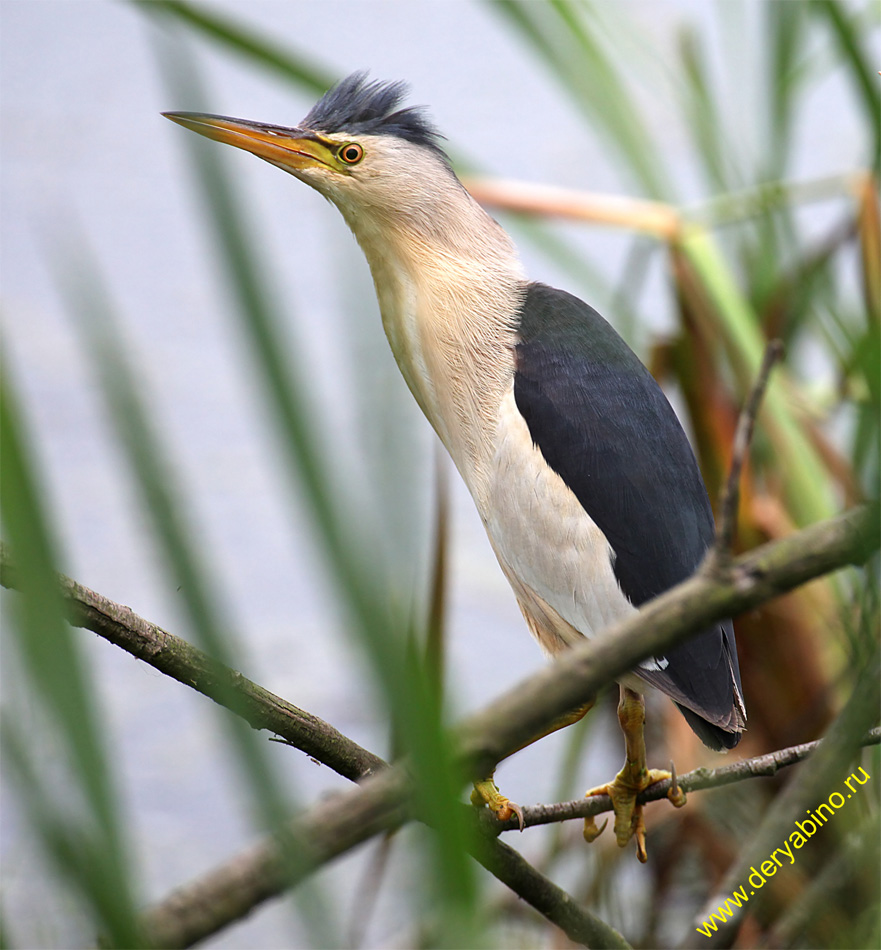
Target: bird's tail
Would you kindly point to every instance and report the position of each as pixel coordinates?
(712, 736)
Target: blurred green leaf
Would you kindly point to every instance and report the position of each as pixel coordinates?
(807, 488)
(848, 32)
(557, 32)
(236, 37)
(705, 120)
(786, 73)
(81, 827)
(187, 572)
(765, 273)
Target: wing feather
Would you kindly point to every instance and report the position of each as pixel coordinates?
(605, 427)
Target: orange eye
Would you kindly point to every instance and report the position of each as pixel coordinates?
(351, 154)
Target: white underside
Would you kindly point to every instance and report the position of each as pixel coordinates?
(544, 537)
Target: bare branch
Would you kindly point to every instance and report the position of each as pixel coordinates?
(381, 802)
(550, 901)
(720, 555)
(338, 824)
(232, 890)
(695, 781)
(188, 665)
(487, 737)
(577, 676)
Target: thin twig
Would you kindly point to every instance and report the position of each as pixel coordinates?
(721, 553)
(694, 781)
(366, 895)
(494, 733)
(334, 826)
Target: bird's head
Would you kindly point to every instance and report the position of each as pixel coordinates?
(357, 147)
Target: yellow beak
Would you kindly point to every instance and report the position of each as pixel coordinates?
(293, 148)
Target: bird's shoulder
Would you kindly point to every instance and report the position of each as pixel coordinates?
(555, 318)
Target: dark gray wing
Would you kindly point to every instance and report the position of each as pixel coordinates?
(603, 424)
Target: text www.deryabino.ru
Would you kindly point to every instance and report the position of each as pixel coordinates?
(759, 876)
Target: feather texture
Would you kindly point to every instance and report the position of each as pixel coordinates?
(605, 427)
(357, 105)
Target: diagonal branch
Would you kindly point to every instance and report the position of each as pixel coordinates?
(230, 891)
(194, 668)
(578, 676)
(521, 713)
(551, 901)
(381, 801)
(233, 889)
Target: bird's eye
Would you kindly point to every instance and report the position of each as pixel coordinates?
(351, 154)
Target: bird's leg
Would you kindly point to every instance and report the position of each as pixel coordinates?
(487, 792)
(633, 778)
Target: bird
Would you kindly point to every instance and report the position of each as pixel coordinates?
(580, 470)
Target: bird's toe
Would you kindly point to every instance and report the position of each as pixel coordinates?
(629, 817)
(487, 793)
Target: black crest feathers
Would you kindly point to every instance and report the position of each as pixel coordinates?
(357, 105)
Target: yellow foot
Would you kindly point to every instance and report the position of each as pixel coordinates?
(629, 821)
(487, 793)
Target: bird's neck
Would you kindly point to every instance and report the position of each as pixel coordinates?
(449, 286)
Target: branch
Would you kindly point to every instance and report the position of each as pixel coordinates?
(578, 676)
(188, 665)
(553, 903)
(233, 889)
(720, 555)
(695, 781)
(502, 727)
(380, 802)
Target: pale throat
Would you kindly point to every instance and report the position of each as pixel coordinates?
(448, 316)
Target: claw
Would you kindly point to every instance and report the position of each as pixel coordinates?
(518, 811)
(639, 834)
(487, 793)
(675, 793)
(591, 832)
